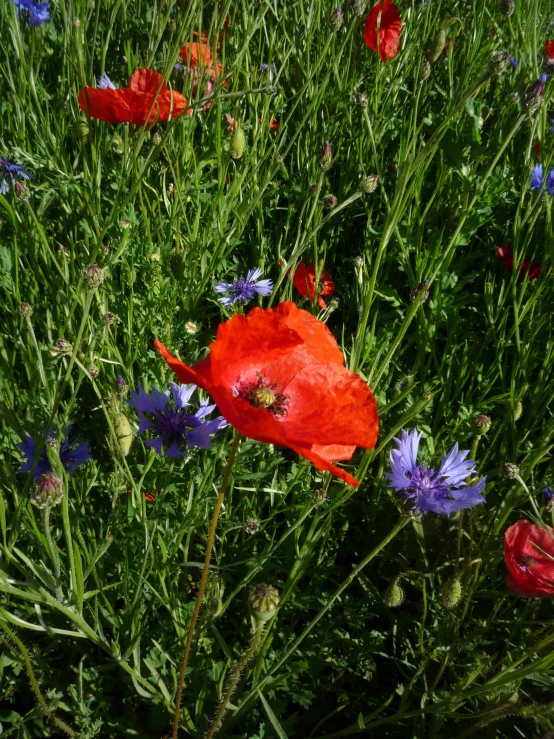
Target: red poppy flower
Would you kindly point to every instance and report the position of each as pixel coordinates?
(529, 557)
(200, 55)
(549, 49)
(150, 497)
(304, 282)
(506, 256)
(278, 376)
(273, 123)
(384, 20)
(147, 99)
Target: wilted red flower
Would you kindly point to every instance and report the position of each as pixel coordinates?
(384, 20)
(529, 557)
(147, 99)
(549, 49)
(304, 281)
(506, 256)
(278, 376)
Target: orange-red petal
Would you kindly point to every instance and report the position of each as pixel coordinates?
(383, 20)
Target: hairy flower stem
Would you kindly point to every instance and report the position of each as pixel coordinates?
(238, 669)
(203, 580)
(52, 549)
(42, 703)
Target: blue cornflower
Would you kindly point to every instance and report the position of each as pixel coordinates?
(513, 61)
(536, 177)
(548, 495)
(442, 491)
(270, 69)
(244, 289)
(175, 428)
(37, 13)
(179, 68)
(72, 455)
(550, 182)
(9, 174)
(104, 83)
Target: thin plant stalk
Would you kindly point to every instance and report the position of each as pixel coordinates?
(203, 580)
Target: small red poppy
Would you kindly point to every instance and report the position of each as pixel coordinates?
(200, 55)
(384, 20)
(147, 99)
(549, 49)
(277, 375)
(529, 557)
(529, 267)
(304, 281)
(150, 497)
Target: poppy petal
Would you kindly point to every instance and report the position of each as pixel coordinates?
(384, 19)
(147, 80)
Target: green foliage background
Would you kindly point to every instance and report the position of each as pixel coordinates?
(165, 212)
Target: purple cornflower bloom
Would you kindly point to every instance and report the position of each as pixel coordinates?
(441, 491)
(536, 177)
(104, 83)
(548, 495)
(72, 455)
(174, 428)
(513, 61)
(550, 182)
(270, 69)
(9, 174)
(244, 289)
(179, 68)
(37, 13)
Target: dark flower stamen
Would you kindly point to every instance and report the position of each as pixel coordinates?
(262, 394)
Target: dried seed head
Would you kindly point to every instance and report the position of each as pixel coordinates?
(48, 491)
(61, 348)
(26, 310)
(511, 470)
(263, 600)
(329, 201)
(108, 319)
(93, 276)
(499, 62)
(93, 370)
(251, 526)
(336, 20)
(369, 184)
(191, 327)
(451, 592)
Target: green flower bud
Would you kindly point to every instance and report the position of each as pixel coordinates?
(369, 184)
(237, 143)
(511, 470)
(438, 43)
(123, 432)
(451, 592)
(93, 276)
(48, 491)
(394, 595)
(83, 131)
(424, 71)
(499, 62)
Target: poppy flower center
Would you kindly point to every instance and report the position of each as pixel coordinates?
(262, 394)
(526, 561)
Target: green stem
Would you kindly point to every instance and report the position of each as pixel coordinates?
(52, 549)
(203, 580)
(34, 682)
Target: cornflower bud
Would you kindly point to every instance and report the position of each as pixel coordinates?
(421, 288)
(451, 592)
(120, 385)
(25, 310)
(313, 189)
(325, 158)
(62, 347)
(336, 20)
(319, 496)
(482, 424)
(361, 100)
(369, 184)
(93, 276)
(156, 138)
(532, 97)
(499, 62)
(357, 7)
(108, 319)
(548, 495)
(508, 7)
(251, 526)
(22, 192)
(394, 595)
(48, 491)
(237, 143)
(263, 599)
(424, 71)
(511, 470)
(329, 201)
